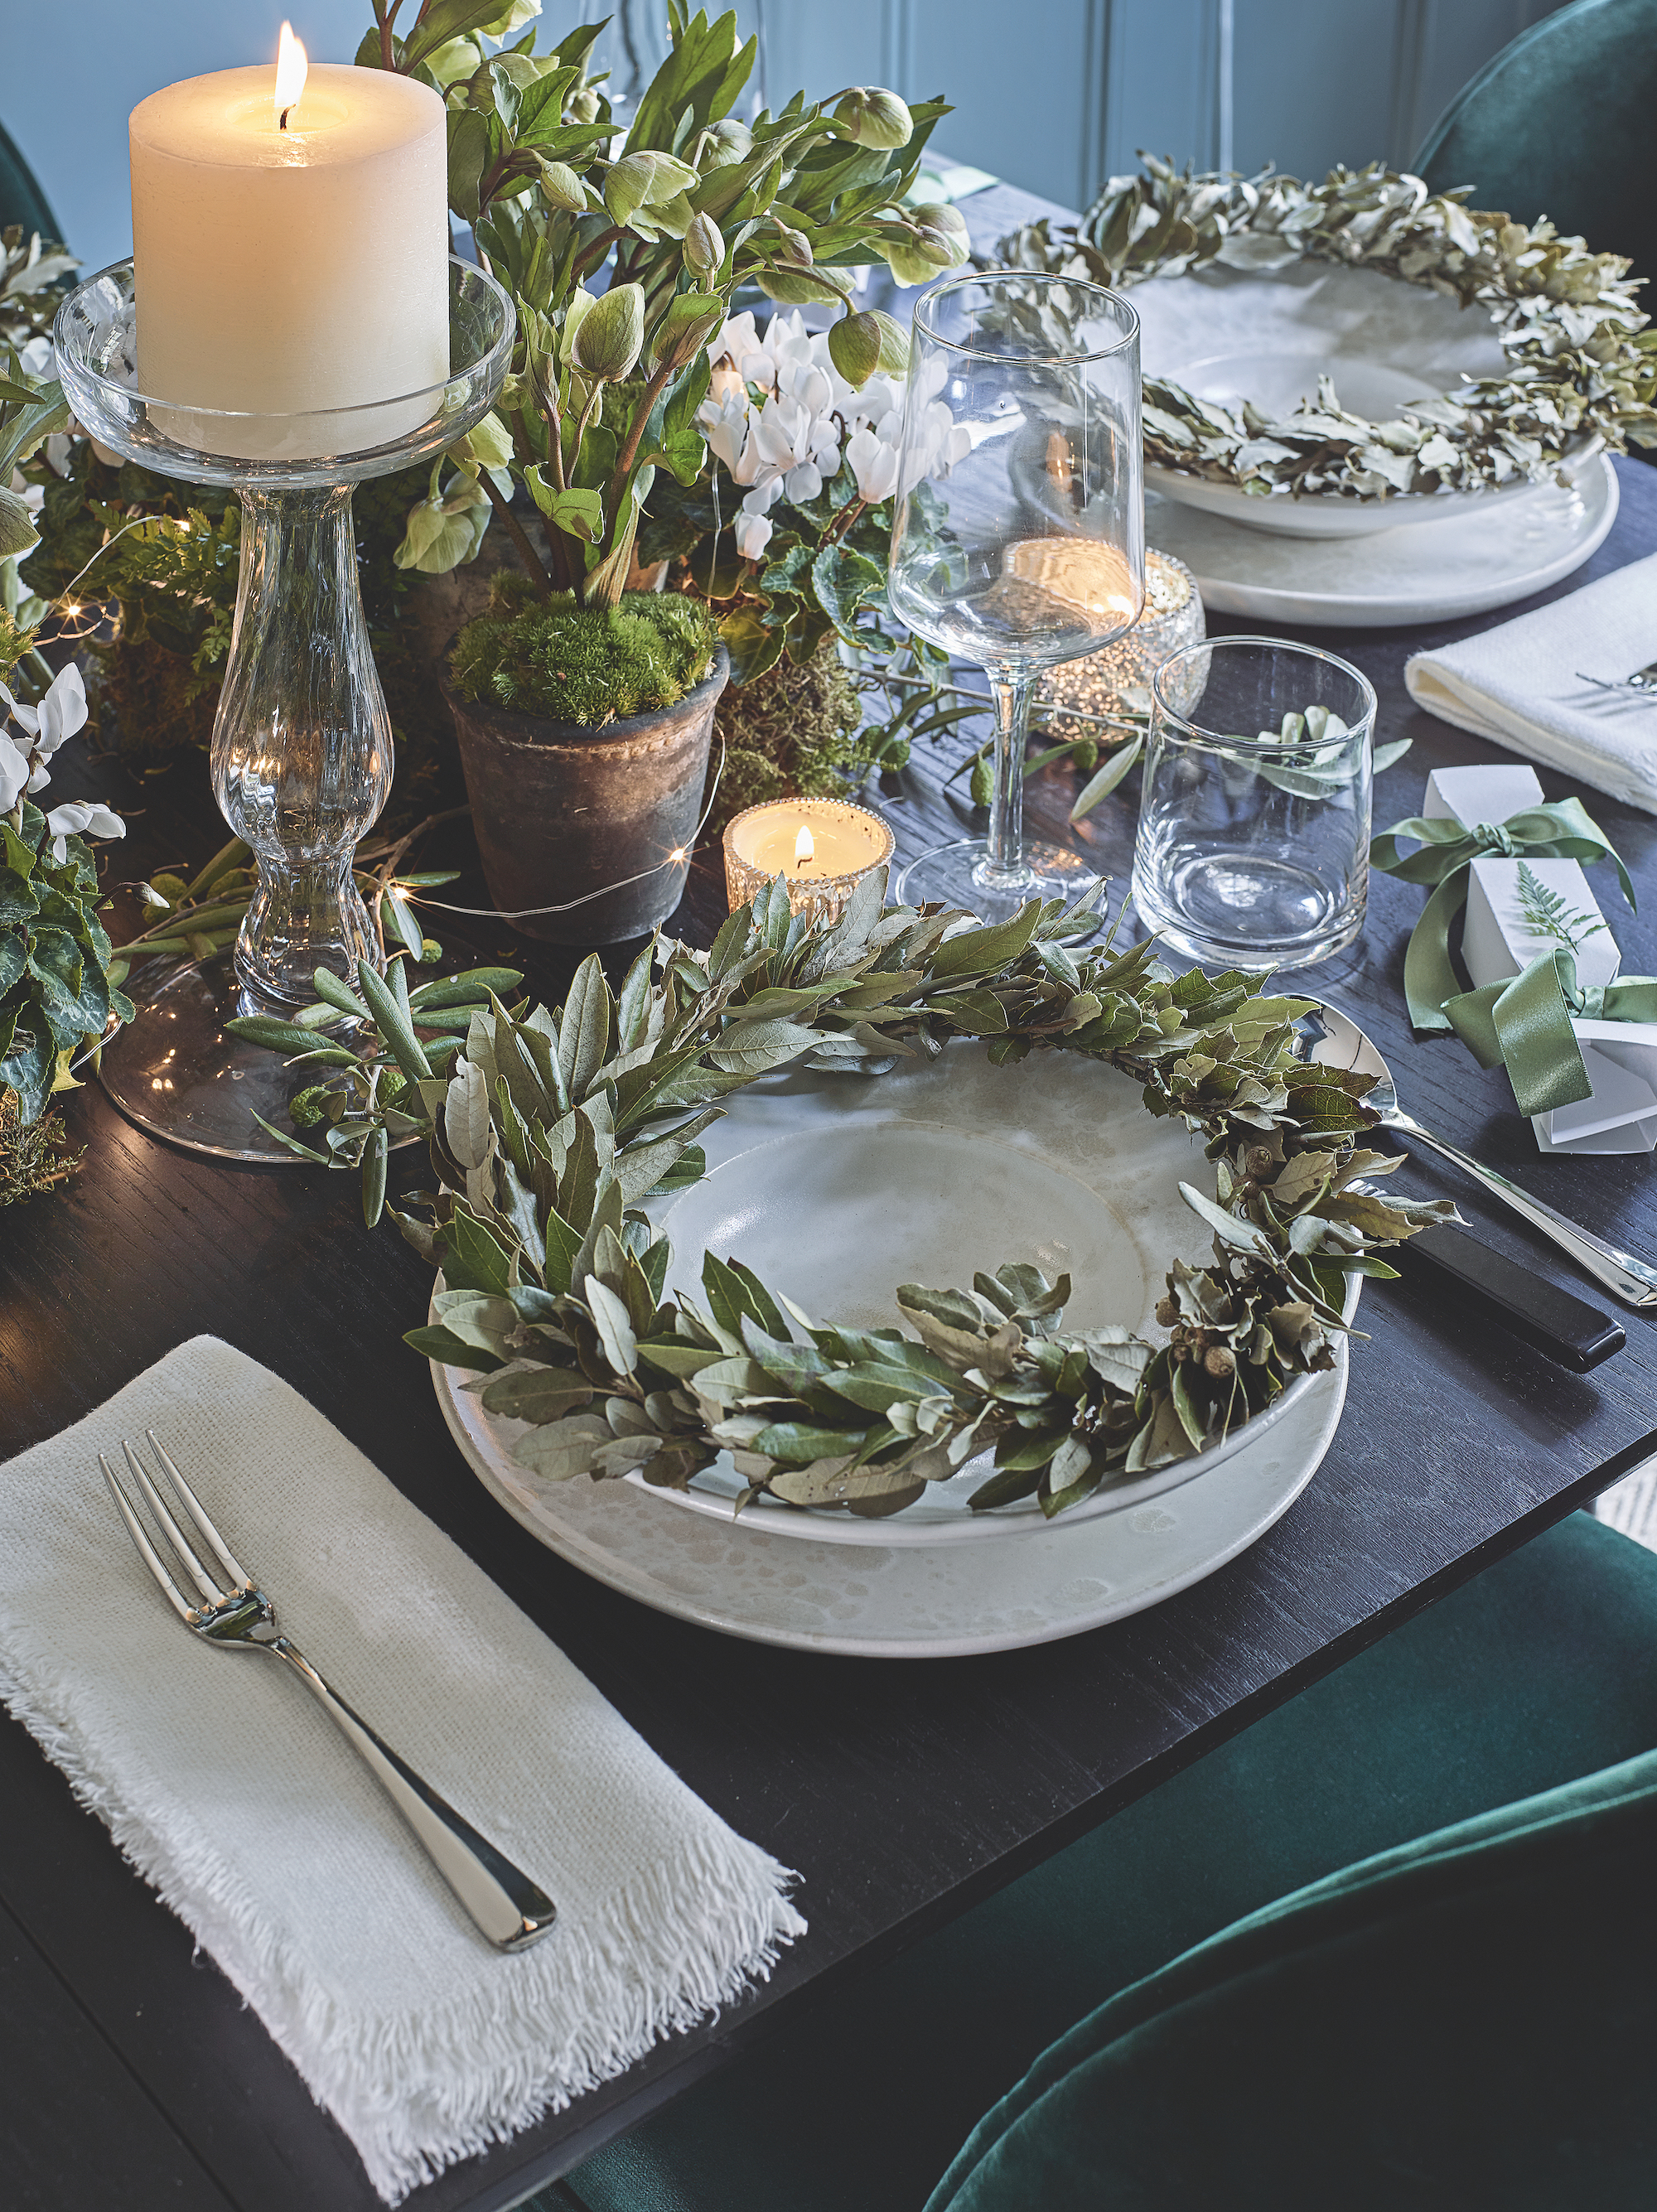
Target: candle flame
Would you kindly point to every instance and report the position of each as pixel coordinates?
(291, 66)
(804, 846)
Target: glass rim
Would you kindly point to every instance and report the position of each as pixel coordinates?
(82, 364)
(922, 316)
(1263, 742)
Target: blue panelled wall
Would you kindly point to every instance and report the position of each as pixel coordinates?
(1052, 95)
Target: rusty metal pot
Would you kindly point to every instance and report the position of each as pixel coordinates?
(560, 810)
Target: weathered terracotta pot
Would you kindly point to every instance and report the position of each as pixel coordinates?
(559, 810)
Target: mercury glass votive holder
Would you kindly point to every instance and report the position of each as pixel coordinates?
(1094, 687)
(847, 844)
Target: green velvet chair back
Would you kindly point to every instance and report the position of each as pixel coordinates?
(1563, 123)
(22, 199)
(1463, 2024)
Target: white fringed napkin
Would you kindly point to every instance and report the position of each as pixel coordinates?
(232, 1792)
(1521, 684)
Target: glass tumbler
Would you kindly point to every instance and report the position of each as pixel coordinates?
(1254, 841)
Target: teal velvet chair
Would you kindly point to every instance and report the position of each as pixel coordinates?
(1563, 123)
(1239, 2031)
(22, 200)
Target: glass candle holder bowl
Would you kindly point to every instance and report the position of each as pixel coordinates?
(1254, 839)
(848, 842)
(303, 756)
(1079, 694)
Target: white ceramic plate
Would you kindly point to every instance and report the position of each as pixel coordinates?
(892, 1602)
(835, 1189)
(1267, 335)
(1465, 566)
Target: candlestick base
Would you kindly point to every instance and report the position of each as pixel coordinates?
(302, 755)
(175, 1072)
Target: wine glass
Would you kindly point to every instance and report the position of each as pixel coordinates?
(1018, 536)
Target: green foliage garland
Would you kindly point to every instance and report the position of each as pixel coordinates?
(547, 1131)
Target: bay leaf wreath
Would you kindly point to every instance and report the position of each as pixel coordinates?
(547, 1130)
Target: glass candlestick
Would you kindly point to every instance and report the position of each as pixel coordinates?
(302, 754)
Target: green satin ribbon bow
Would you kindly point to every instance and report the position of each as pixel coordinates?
(1564, 830)
(1525, 1026)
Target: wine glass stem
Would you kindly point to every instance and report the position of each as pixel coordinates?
(1005, 860)
(301, 744)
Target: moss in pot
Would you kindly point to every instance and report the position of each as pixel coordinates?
(584, 734)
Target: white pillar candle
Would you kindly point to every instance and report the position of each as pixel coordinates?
(285, 271)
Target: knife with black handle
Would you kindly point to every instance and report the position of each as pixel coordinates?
(1566, 1328)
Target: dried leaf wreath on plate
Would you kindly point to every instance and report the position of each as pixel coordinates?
(548, 1129)
(1583, 363)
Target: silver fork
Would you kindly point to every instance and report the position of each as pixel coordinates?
(1643, 680)
(511, 1911)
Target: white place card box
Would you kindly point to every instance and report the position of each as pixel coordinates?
(1498, 942)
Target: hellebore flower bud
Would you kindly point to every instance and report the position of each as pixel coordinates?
(684, 330)
(562, 188)
(704, 245)
(611, 334)
(854, 348)
(938, 215)
(870, 117)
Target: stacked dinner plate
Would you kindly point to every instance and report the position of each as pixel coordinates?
(835, 1190)
(1267, 336)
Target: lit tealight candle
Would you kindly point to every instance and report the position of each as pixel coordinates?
(824, 847)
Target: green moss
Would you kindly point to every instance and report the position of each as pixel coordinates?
(793, 731)
(32, 1160)
(585, 665)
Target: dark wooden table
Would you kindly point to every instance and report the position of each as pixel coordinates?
(130, 2072)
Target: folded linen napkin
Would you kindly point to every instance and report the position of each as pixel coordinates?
(232, 1792)
(1520, 685)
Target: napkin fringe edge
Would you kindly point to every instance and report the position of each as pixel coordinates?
(568, 2038)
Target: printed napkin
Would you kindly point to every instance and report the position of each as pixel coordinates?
(233, 1792)
(1523, 685)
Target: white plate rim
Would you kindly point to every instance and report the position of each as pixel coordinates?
(478, 1450)
(1367, 610)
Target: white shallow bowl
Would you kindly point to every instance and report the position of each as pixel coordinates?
(1467, 566)
(892, 1602)
(1229, 335)
(835, 1189)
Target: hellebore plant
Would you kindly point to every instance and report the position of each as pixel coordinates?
(608, 388)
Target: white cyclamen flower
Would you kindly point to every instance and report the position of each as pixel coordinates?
(82, 816)
(14, 774)
(753, 534)
(725, 425)
(796, 446)
(62, 713)
(874, 463)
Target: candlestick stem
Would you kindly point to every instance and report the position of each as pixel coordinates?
(301, 743)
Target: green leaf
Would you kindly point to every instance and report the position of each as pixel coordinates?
(583, 1029)
(982, 951)
(473, 1260)
(610, 1319)
(1102, 784)
(536, 1394)
(443, 1346)
(390, 1020)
